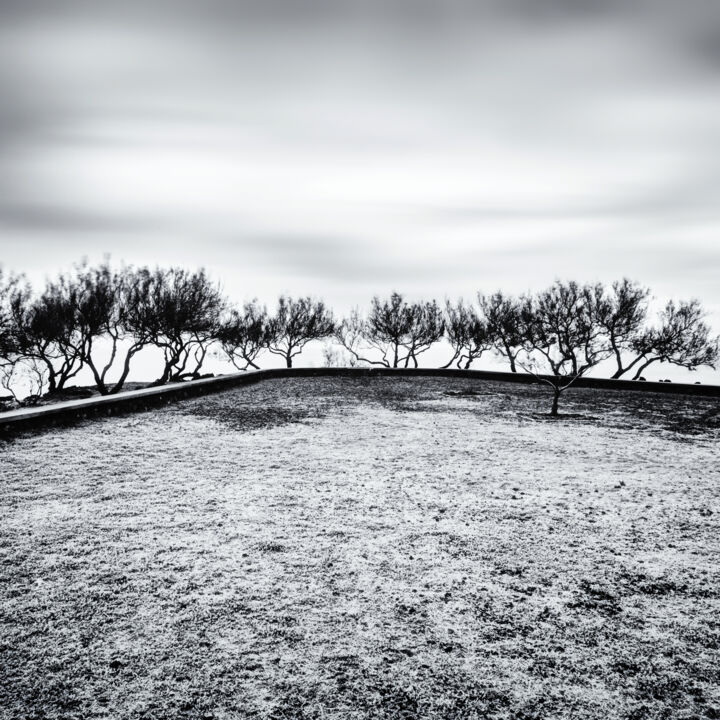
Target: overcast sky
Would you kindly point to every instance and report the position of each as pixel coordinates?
(346, 148)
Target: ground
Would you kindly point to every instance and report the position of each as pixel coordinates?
(379, 548)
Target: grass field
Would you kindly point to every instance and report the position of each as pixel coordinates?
(381, 548)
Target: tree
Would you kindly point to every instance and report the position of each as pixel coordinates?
(682, 337)
(104, 299)
(622, 314)
(502, 316)
(244, 335)
(45, 331)
(8, 345)
(296, 323)
(561, 335)
(399, 331)
(467, 333)
(182, 318)
(17, 369)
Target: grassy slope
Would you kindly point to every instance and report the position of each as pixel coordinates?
(365, 549)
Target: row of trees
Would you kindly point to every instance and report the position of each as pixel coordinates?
(558, 334)
(99, 318)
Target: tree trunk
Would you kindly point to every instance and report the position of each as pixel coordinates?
(288, 360)
(556, 400)
(622, 370)
(452, 360)
(642, 367)
(52, 383)
(125, 371)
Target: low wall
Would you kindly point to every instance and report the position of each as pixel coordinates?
(137, 400)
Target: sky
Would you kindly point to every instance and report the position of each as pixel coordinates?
(347, 148)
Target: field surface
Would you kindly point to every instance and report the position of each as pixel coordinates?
(380, 548)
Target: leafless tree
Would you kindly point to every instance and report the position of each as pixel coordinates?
(46, 333)
(502, 315)
(182, 318)
(562, 338)
(296, 323)
(335, 358)
(622, 314)
(243, 335)
(467, 334)
(103, 297)
(681, 337)
(8, 344)
(395, 330)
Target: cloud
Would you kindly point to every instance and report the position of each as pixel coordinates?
(40, 217)
(368, 144)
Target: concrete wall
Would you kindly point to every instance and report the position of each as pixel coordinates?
(137, 400)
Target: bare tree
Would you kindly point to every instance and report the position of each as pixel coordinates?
(8, 344)
(467, 333)
(502, 316)
(352, 334)
(426, 326)
(46, 332)
(334, 358)
(396, 330)
(296, 323)
(182, 318)
(562, 338)
(106, 343)
(682, 337)
(622, 314)
(244, 335)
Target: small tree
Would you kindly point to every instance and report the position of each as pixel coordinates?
(682, 338)
(502, 316)
(296, 323)
(244, 335)
(467, 334)
(561, 336)
(183, 319)
(8, 344)
(399, 331)
(46, 332)
(101, 296)
(622, 315)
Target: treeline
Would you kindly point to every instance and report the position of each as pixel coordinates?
(99, 318)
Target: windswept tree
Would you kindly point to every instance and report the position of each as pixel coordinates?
(182, 318)
(622, 314)
(396, 331)
(8, 346)
(562, 338)
(106, 299)
(46, 332)
(503, 317)
(244, 334)
(681, 337)
(467, 333)
(18, 371)
(297, 322)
